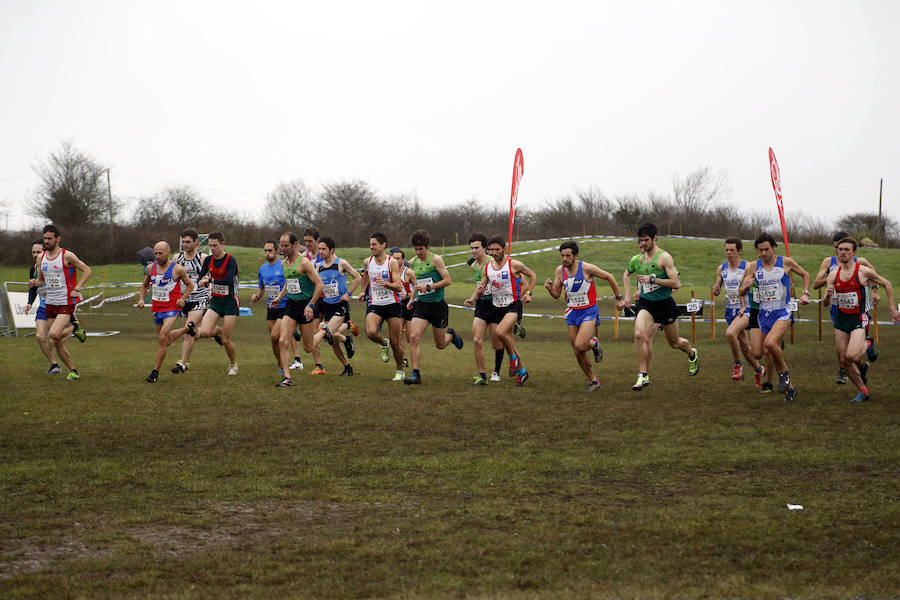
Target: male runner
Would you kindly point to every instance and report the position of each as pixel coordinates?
(576, 277)
(657, 278)
(334, 305)
(408, 277)
(730, 274)
(165, 278)
(828, 266)
(220, 274)
(483, 322)
(271, 280)
(772, 275)
(846, 285)
(427, 302)
(57, 273)
(303, 288)
(191, 258)
(382, 278)
(499, 277)
(40, 318)
(311, 251)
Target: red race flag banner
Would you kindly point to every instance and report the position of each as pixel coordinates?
(775, 171)
(518, 171)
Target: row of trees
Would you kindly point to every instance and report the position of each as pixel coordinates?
(73, 193)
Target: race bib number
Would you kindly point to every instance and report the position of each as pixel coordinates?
(792, 306)
(646, 288)
(755, 294)
(219, 290)
(501, 300)
(160, 293)
(293, 286)
(732, 297)
(425, 281)
(693, 307)
(54, 280)
(768, 293)
(848, 300)
(577, 299)
(272, 291)
(381, 294)
(331, 290)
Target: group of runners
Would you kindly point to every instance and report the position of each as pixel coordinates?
(308, 290)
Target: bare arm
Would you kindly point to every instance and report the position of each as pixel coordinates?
(599, 273)
(822, 275)
(867, 275)
(794, 267)
(73, 261)
(554, 286)
(717, 286)
(519, 268)
(357, 278)
(144, 285)
(180, 273)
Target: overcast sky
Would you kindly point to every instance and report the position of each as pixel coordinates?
(433, 99)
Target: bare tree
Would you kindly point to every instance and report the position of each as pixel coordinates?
(185, 204)
(699, 190)
(72, 189)
(290, 204)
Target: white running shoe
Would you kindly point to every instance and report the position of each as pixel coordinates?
(495, 376)
(232, 370)
(296, 365)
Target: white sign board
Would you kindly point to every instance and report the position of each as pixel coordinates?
(17, 303)
(792, 305)
(693, 307)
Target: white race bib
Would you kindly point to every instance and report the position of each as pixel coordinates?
(768, 293)
(54, 280)
(500, 299)
(293, 286)
(219, 289)
(848, 300)
(331, 290)
(732, 297)
(424, 281)
(160, 293)
(577, 298)
(646, 288)
(272, 291)
(381, 293)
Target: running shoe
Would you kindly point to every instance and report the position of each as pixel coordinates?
(73, 375)
(354, 328)
(593, 386)
(860, 397)
(759, 375)
(596, 349)
(521, 378)
(398, 376)
(297, 335)
(153, 376)
(218, 339)
(79, 332)
(191, 329)
(864, 372)
(842, 377)
(519, 330)
(479, 380)
(286, 382)
(233, 370)
(784, 382)
(54, 369)
(738, 373)
(329, 337)
(642, 382)
(179, 368)
(495, 376)
(513, 366)
(413, 379)
(790, 394)
(317, 371)
(457, 341)
(297, 364)
(347, 372)
(767, 388)
(871, 352)
(386, 352)
(348, 344)
(694, 363)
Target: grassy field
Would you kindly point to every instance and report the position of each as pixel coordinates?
(360, 487)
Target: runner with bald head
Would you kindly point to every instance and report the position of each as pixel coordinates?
(165, 279)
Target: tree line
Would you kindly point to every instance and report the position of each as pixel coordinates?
(73, 192)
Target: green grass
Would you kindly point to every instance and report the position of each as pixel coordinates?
(347, 488)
